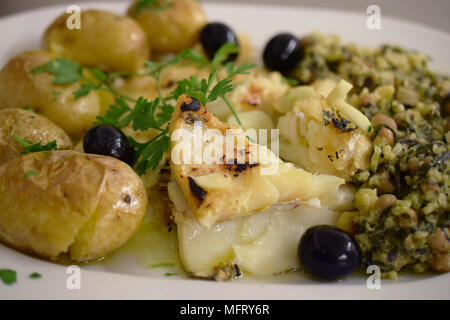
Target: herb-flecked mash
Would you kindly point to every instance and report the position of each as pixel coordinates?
(402, 218)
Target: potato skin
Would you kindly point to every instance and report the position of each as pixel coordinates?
(86, 205)
(28, 126)
(105, 40)
(174, 28)
(19, 87)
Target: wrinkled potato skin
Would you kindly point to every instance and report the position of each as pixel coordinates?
(172, 29)
(28, 126)
(105, 40)
(20, 87)
(86, 205)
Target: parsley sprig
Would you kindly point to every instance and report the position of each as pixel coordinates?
(67, 72)
(155, 114)
(144, 114)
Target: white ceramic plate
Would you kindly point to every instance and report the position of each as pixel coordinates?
(125, 278)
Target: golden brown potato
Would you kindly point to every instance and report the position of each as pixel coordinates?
(85, 205)
(30, 126)
(171, 27)
(19, 87)
(105, 40)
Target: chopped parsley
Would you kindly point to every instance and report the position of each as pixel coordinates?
(30, 173)
(163, 265)
(290, 81)
(154, 5)
(29, 108)
(29, 146)
(8, 276)
(170, 274)
(64, 70)
(35, 275)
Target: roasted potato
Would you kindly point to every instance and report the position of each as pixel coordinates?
(170, 26)
(105, 40)
(80, 204)
(19, 87)
(30, 126)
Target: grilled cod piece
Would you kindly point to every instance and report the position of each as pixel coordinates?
(240, 181)
(324, 134)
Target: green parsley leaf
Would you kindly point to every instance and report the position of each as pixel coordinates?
(85, 89)
(114, 115)
(143, 114)
(220, 89)
(142, 5)
(170, 274)
(154, 5)
(243, 69)
(290, 81)
(193, 88)
(29, 108)
(35, 275)
(64, 70)
(99, 74)
(163, 265)
(223, 53)
(194, 56)
(30, 173)
(150, 64)
(29, 146)
(150, 154)
(8, 276)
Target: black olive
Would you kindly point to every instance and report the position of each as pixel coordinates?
(282, 53)
(328, 252)
(107, 140)
(214, 35)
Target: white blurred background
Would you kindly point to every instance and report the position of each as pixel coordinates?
(434, 13)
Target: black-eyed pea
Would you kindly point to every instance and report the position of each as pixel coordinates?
(408, 220)
(387, 135)
(385, 183)
(441, 262)
(385, 201)
(384, 119)
(439, 241)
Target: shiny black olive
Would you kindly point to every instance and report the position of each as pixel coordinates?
(107, 140)
(328, 253)
(214, 35)
(282, 53)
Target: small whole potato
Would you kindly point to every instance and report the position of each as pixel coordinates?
(80, 204)
(29, 126)
(171, 26)
(105, 40)
(20, 87)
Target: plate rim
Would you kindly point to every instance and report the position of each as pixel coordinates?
(130, 282)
